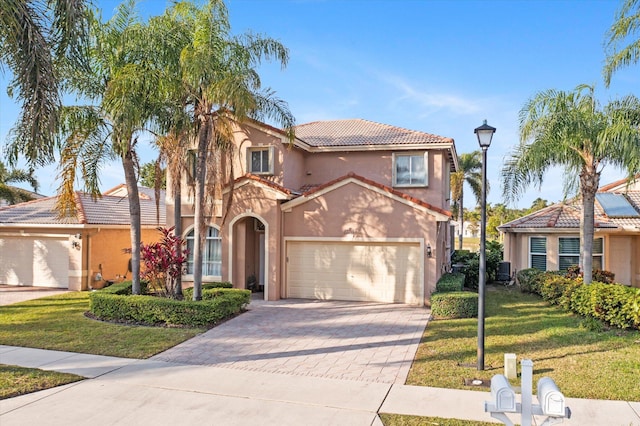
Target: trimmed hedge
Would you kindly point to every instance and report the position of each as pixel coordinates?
(455, 304)
(187, 293)
(217, 305)
(450, 282)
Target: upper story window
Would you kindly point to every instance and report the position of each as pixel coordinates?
(260, 160)
(410, 169)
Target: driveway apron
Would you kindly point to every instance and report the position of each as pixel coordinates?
(341, 340)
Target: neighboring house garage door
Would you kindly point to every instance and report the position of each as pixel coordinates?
(359, 271)
(41, 261)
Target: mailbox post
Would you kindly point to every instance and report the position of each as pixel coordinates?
(551, 402)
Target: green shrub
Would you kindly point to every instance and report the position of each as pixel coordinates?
(556, 289)
(217, 305)
(603, 276)
(456, 304)
(471, 272)
(461, 256)
(450, 282)
(527, 280)
(188, 292)
(614, 304)
(124, 288)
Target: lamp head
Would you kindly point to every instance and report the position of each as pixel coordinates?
(485, 134)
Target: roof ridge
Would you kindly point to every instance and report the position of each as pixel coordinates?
(80, 212)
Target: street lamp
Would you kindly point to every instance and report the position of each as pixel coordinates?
(485, 134)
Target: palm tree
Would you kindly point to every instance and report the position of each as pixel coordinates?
(469, 171)
(33, 35)
(570, 130)
(222, 88)
(627, 24)
(11, 194)
(121, 82)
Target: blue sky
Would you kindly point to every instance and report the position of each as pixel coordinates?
(434, 66)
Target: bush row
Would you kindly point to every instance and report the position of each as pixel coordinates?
(450, 282)
(615, 304)
(217, 305)
(455, 304)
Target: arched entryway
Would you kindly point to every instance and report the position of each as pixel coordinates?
(249, 255)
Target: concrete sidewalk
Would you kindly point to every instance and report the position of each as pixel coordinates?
(130, 391)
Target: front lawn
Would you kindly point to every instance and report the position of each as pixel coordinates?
(583, 363)
(15, 381)
(58, 323)
(401, 420)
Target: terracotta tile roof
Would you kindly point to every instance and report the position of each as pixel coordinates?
(358, 132)
(108, 210)
(255, 178)
(382, 187)
(114, 210)
(567, 215)
(40, 211)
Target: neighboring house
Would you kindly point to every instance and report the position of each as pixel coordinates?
(31, 194)
(351, 210)
(37, 248)
(471, 229)
(549, 239)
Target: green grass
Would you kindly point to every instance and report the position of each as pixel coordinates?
(584, 364)
(58, 323)
(400, 420)
(15, 381)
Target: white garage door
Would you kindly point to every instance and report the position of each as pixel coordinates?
(374, 272)
(42, 262)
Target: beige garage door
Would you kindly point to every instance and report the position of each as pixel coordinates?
(42, 262)
(375, 272)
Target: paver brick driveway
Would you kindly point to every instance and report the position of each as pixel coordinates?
(342, 340)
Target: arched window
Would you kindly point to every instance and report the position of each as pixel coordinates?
(211, 253)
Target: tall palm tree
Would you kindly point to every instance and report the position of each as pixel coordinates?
(469, 171)
(626, 28)
(120, 85)
(33, 35)
(223, 88)
(569, 129)
(11, 194)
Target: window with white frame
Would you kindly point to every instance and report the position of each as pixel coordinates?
(410, 169)
(569, 252)
(211, 253)
(260, 160)
(538, 253)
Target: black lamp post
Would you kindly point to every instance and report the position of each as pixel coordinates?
(485, 134)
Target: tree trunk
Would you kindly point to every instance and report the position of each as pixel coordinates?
(589, 182)
(134, 213)
(198, 228)
(461, 221)
(177, 230)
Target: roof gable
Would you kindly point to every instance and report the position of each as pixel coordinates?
(440, 214)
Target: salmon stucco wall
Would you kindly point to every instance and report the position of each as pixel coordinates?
(356, 213)
(239, 237)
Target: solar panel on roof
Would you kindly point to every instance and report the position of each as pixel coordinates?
(616, 205)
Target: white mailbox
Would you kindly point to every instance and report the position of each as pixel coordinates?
(504, 398)
(550, 398)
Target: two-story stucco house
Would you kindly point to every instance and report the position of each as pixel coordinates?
(351, 210)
